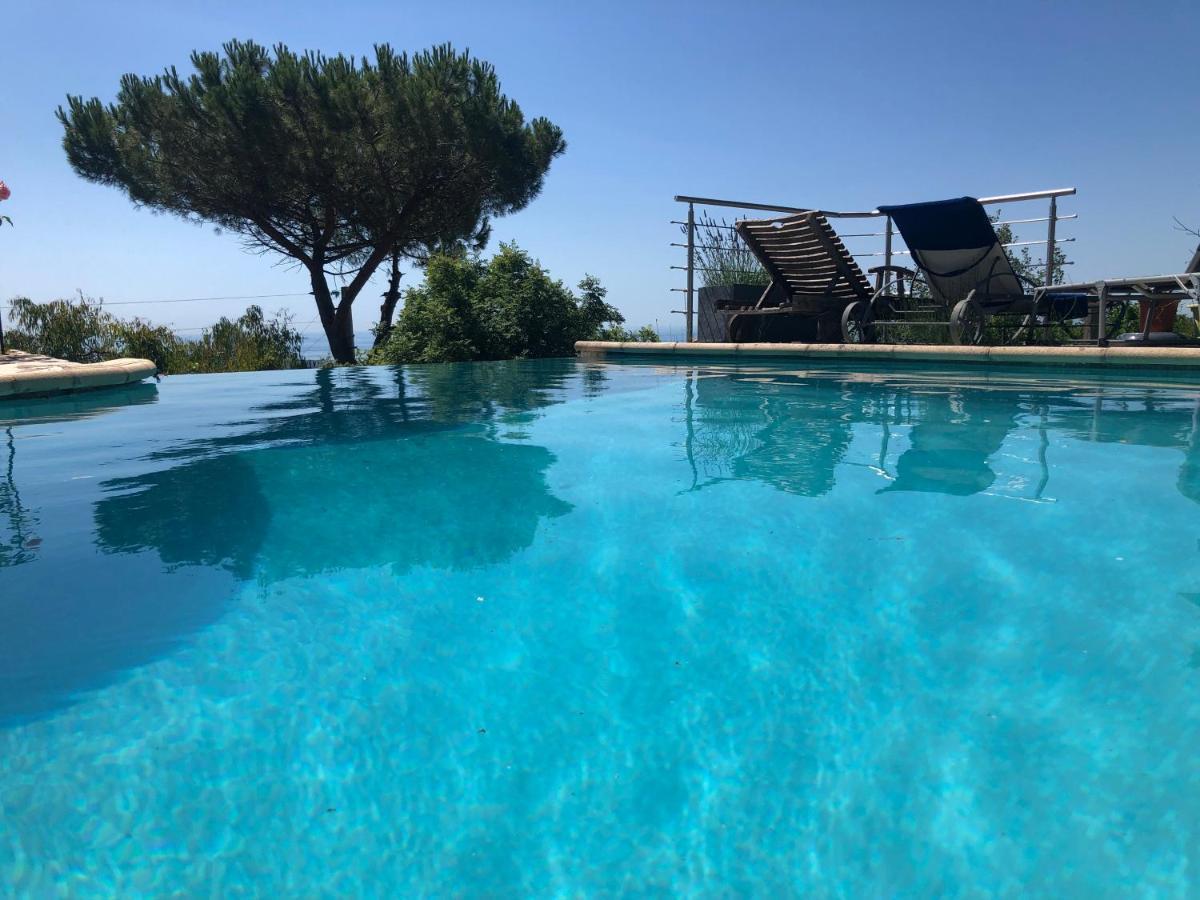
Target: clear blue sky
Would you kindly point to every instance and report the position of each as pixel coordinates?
(837, 105)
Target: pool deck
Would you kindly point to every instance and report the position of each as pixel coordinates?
(30, 375)
(1108, 357)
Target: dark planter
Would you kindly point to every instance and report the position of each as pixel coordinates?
(823, 328)
(719, 304)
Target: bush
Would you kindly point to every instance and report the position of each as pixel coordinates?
(139, 339)
(506, 308)
(721, 257)
(83, 331)
(249, 343)
(616, 333)
(78, 331)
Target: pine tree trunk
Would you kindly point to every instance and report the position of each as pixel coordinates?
(341, 334)
(337, 321)
(390, 298)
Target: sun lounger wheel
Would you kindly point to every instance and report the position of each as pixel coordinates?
(858, 324)
(744, 329)
(966, 322)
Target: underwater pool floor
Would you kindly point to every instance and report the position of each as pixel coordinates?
(565, 628)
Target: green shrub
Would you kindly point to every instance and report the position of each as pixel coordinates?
(721, 257)
(139, 339)
(249, 343)
(79, 331)
(645, 334)
(506, 308)
(437, 323)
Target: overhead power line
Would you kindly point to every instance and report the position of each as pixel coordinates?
(194, 299)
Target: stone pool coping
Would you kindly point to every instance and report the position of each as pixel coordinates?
(31, 375)
(1111, 356)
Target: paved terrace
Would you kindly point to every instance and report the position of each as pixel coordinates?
(1107, 357)
(30, 375)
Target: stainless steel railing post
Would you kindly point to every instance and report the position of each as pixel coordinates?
(689, 308)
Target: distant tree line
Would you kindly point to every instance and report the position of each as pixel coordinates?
(81, 330)
(468, 308)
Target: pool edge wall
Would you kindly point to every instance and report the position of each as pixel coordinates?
(1110, 357)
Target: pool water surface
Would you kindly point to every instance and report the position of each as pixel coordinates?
(561, 628)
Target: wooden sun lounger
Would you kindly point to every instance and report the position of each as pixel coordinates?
(812, 273)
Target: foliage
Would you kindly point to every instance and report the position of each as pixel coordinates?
(138, 339)
(522, 312)
(337, 163)
(596, 312)
(83, 331)
(1023, 262)
(505, 308)
(79, 331)
(645, 334)
(721, 257)
(438, 322)
(249, 343)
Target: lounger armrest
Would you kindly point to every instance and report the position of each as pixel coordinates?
(898, 273)
(899, 270)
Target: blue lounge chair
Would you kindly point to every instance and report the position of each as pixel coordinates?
(955, 247)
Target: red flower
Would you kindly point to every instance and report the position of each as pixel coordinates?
(5, 193)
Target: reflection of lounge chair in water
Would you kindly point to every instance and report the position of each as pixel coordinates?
(949, 450)
(1124, 417)
(792, 436)
(795, 438)
(1189, 472)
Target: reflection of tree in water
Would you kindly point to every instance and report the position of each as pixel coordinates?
(507, 392)
(210, 512)
(18, 541)
(361, 468)
(369, 467)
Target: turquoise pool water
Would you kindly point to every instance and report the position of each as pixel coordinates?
(565, 629)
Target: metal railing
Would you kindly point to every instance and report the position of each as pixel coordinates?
(888, 233)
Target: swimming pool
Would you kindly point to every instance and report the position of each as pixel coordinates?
(567, 628)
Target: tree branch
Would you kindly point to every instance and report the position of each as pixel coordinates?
(276, 235)
(379, 253)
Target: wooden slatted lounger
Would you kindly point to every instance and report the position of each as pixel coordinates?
(812, 275)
